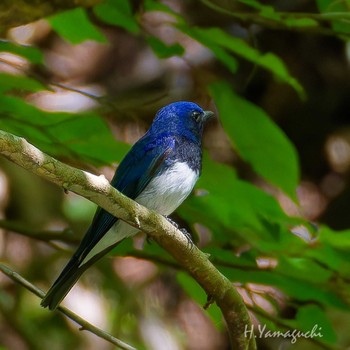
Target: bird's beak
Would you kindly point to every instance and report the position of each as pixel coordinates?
(207, 115)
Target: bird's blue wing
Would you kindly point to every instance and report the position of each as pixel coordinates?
(141, 164)
(144, 161)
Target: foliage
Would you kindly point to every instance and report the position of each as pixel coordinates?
(308, 265)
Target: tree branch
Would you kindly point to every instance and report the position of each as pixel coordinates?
(70, 314)
(65, 236)
(284, 20)
(98, 190)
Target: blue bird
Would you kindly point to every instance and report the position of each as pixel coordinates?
(158, 172)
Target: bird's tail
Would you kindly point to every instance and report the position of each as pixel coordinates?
(69, 276)
(64, 283)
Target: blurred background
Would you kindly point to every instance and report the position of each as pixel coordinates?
(140, 295)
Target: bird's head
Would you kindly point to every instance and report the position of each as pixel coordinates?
(181, 118)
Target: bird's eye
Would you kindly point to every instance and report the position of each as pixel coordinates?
(196, 115)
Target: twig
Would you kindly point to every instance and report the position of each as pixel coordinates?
(65, 235)
(281, 23)
(155, 258)
(99, 190)
(40, 79)
(85, 325)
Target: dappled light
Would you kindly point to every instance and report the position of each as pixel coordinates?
(338, 153)
(270, 209)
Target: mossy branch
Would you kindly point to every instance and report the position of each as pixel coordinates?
(97, 189)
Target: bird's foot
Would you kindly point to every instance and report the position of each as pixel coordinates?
(210, 300)
(188, 237)
(172, 221)
(183, 230)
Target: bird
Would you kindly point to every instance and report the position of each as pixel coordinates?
(159, 172)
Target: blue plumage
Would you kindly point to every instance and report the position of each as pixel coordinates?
(159, 172)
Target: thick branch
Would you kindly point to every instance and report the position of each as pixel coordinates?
(99, 191)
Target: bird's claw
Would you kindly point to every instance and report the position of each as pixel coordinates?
(183, 230)
(172, 221)
(188, 237)
(210, 300)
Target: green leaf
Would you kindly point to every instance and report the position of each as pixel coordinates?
(75, 26)
(253, 3)
(333, 250)
(220, 53)
(18, 83)
(325, 5)
(215, 38)
(83, 137)
(293, 287)
(269, 12)
(153, 5)
(266, 11)
(118, 13)
(257, 139)
(335, 259)
(303, 268)
(239, 213)
(31, 53)
(336, 239)
(312, 317)
(162, 50)
(229, 258)
(300, 22)
(340, 23)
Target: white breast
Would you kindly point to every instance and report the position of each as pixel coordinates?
(167, 191)
(163, 194)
